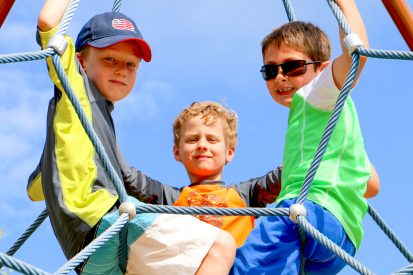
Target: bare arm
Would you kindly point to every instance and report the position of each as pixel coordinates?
(51, 14)
(373, 185)
(342, 63)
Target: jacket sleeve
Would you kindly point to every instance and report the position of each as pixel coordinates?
(144, 188)
(259, 192)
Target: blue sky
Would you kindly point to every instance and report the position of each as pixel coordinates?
(207, 50)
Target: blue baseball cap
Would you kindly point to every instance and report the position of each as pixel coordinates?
(109, 28)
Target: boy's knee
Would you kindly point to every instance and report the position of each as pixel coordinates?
(224, 246)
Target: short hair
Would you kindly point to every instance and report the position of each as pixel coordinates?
(209, 112)
(301, 36)
(85, 50)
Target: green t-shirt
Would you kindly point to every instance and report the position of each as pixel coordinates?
(340, 181)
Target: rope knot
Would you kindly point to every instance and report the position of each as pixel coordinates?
(58, 43)
(351, 42)
(129, 208)
(297, 210)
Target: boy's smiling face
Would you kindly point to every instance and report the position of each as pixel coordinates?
(113, 69)
(282, 88)
(202, 149)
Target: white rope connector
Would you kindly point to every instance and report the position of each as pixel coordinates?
(58, 43)
(128, 207)
(297, 210)
(351, 42)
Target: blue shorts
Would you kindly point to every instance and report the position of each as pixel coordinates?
(274, 246)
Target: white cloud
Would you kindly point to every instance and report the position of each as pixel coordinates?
(17, 215)
(12, 146)
(23, 106)
(144, 102)
(18, 37)
(22, 102)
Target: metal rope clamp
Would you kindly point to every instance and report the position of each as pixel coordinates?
(129, 208)
(297, 210)
(351, 42)
(58, 43)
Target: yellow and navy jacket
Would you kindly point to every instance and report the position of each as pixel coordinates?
(70, 176)
(257, 192)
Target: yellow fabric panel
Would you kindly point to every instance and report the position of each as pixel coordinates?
(74, 151)
(35, 189)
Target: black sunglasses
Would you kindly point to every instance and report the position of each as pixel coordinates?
(290, 68)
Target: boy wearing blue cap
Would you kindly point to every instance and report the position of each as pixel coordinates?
(82, 201)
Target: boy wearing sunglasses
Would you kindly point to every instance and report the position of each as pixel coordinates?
(300, 76)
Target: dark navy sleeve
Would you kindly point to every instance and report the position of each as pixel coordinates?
(144, 188)
(258, 192)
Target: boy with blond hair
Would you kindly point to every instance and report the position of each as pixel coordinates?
(81, 200)
(205, 138)
(300, 76)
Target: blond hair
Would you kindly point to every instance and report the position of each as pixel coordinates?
(209, 112)
(301, 36)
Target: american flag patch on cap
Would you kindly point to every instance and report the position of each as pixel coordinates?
(123, 24)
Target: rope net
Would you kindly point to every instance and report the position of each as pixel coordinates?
(7, 259)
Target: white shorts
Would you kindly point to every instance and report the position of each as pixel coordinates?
(172, 244)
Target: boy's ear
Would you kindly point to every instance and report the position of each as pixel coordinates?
(324, 65)
(81, 59)
(176, 153)
(230, 154)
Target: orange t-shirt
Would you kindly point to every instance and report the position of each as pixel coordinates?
(215, 195)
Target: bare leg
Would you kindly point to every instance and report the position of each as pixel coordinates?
(220, 257)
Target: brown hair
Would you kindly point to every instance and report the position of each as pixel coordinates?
(301, 36)
(209, 112)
